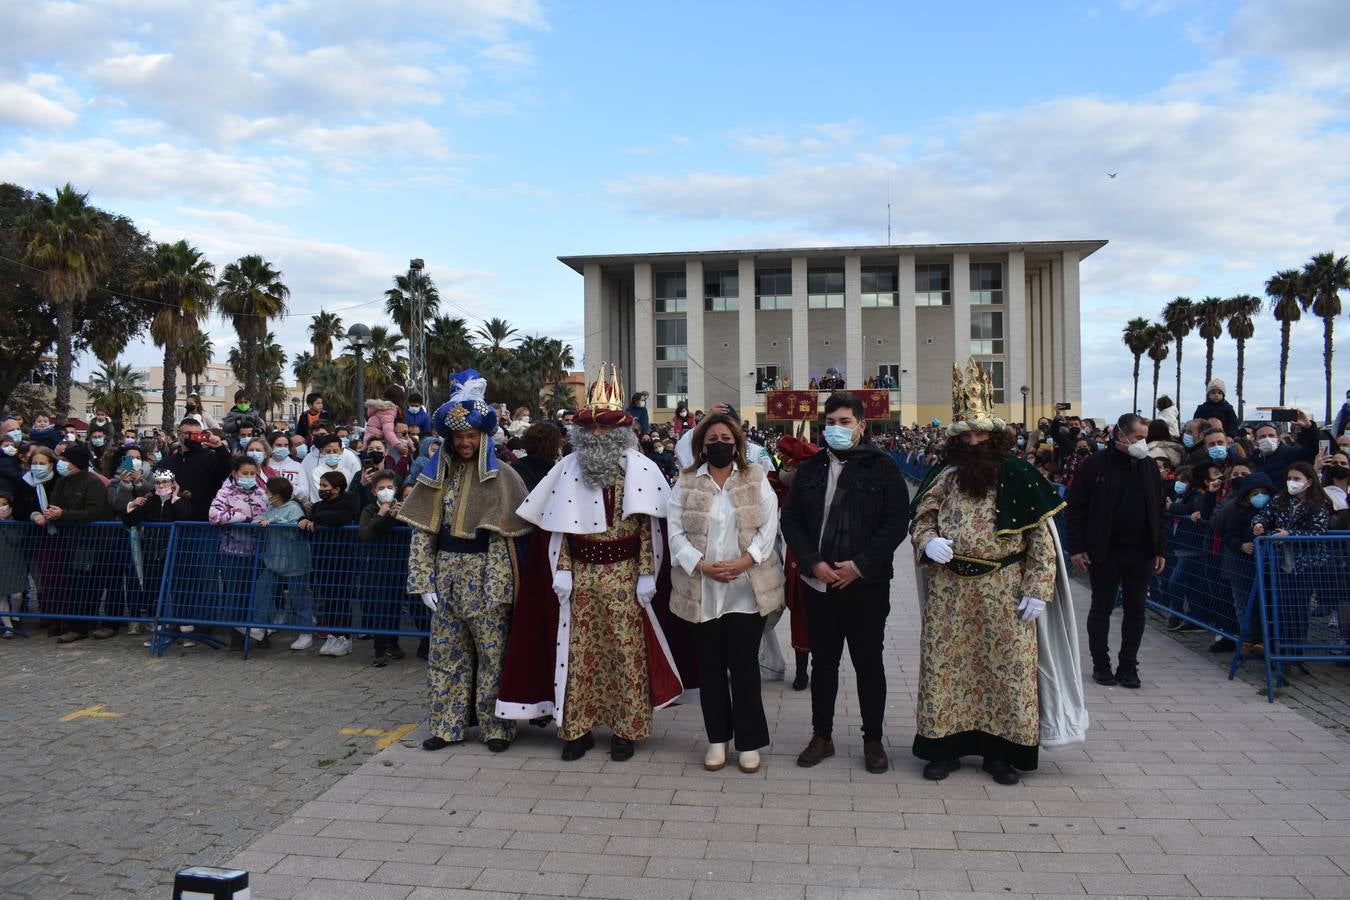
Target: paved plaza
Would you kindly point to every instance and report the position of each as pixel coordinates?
(1192, 786)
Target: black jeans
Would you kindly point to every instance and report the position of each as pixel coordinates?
(1127, 570)
(856, 614)
(728, 680)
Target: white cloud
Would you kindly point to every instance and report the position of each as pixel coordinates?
(29, 105)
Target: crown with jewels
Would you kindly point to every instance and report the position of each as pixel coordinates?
(604, 400)
(972, 400)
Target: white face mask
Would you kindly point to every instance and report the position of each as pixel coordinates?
(1267, 444)
(1295, 487)
(385, 495)
(1139, 449)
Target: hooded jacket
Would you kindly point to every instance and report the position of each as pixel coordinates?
(380, 418)
(1221, 410)
(423, 459)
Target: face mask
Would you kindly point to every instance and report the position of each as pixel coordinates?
(1338, 472)
(70, 438)
(346, 442)
(641, 403)
(97, 442)
(1219, 453)
(385, 495)
(1295, 487)
(10, 451)
(41, 472)
(1188, 440)
(16, 436)
(257, 456)
(157, 456)
(280, 452)
(247, 484)
(165, 491)
(719, 454)
(62, 468)
(1138, 450)
(332, 459)
(244, 407)
(414, 409)
(1021, 442)
(1267, 445)
(1259, 501)
(839, 437)
(1179, 487)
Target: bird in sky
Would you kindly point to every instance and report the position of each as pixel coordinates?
(1111, 174)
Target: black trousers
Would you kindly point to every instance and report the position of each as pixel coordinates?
(1128, 571)
(728, 680)
(856, 615)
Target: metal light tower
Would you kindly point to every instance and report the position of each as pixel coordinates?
(417, 340)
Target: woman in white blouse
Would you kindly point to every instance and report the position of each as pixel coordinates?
(726, 577)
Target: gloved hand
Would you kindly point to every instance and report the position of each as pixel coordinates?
(562, 585)
(939, 550)
(646, 589)
(1031, 609)
(431, 600)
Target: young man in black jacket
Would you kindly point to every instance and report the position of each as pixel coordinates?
(846, 514)
(1115, 533)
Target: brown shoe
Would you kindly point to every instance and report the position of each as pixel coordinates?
(819, 749)
(69, 637)
(102, 634)
(874, 757)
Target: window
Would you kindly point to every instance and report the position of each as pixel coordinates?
(888, 377)
(671, 339)
(672, 386)
(880, 286)
(669, 289)
(995, 370)
(986, 333)
(766, 377)
(933, 284)
(986, 284)
(722, 290)
(825, 287)
(773, 289)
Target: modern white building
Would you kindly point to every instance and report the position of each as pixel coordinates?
(714, 325)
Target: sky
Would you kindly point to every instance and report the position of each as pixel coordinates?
(339, 138)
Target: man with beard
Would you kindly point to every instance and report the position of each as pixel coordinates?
(587, 647)
(987, 566)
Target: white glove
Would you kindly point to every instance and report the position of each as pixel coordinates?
(562, 585)
(1031, 609)
(939, 550)
(646, 589)
(431, 600)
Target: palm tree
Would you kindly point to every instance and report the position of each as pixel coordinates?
(1159, 342)
(64, 243)
(383, 365)
(194, 358)
(1288, 300)
(252, 295)
(1135, 336)
(324, 328)
(560, 396)
(398, 300)
(542, 361)
(494, 334)
(1240, 328)
(449, 350)
(1209, 316)
(1179, 317)
(335, 381)
(181, 284)
(119, 389)
(1327, 276)
(302, 367)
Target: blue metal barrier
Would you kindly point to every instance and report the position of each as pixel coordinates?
(1304, 587)
(914, 471)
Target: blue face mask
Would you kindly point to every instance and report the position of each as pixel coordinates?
(1259, 501)
(332, 459)
(1100, 446)
(16, 436)
(40, 473)
(246, 484)
(97, 442)
(839, 437)
(1218, 454)
(62, 467)
(280, 452)
(346, 442)
(256, 455)
(1188, 440)
(1180, 487)
(302, 451)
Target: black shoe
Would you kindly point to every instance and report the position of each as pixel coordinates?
(380, 661)
(423, 646)
(1001, 772)
(438, 743)
(1222, 645)
(620, 749)
(393, 651)
(1103, 676)
(575, 750)
(1127, 678)
(541, 722)
(802, 681)
(498, 745)
(939, 769)
(263, 643)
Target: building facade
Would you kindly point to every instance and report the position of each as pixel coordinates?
(731, 325)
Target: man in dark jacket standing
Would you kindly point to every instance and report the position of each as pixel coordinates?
(201, 466)
(846, 514)
(1116, 535)
(77, 498)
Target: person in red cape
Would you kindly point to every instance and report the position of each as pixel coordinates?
(792, 451)
(589, 641)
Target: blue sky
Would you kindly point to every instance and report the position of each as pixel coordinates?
(338, 138)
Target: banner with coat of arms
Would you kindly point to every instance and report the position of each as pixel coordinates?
(876, 403)
(792, 405)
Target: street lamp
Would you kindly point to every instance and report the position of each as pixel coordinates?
(358, 336)
(295, 409)
(1025, 390)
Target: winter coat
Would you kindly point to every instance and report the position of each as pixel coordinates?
(380, 418)
(1171, 452)
(1237, 527)
(16, 542)
(11, 474)
(680, 424)
(640, 419)
(421, 419)
(1171, 417)
(423, 459)
(1296, 516)
(1221, 410)
(285, 550)
(237, 417)
(235, 506)
(1285, 455)
(200, 473)
(1098, 487)
(532, 470)
(46, 437)
(336, 513)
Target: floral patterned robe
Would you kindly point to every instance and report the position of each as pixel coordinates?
(977, 671)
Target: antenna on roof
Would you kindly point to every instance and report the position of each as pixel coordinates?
(888, 210)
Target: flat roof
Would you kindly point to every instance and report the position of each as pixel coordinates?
(1084, 248)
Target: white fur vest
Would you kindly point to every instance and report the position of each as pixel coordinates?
(766, 578)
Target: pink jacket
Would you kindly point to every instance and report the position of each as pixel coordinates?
(234, 506)
(380, 417)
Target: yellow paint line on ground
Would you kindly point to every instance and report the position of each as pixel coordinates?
(387, 737)
(98, 711)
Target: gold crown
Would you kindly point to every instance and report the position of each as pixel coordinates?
(973, 400)
(606, 395)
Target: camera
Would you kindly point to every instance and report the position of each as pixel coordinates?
(1284, 415)
(1063, 406)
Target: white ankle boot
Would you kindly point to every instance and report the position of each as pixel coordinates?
(748, 761)
(716, 757)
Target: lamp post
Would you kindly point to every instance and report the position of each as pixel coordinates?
(358, 336)
(1025, 390)
(295, 409)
